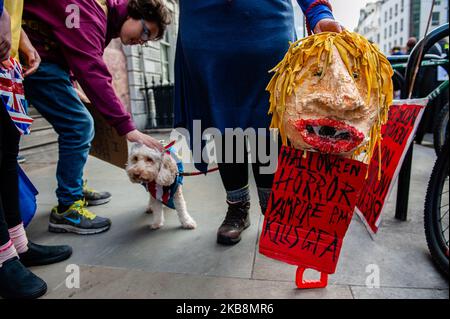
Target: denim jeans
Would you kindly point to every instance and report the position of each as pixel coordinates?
(51, 92)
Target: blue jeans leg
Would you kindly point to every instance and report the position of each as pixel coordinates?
(51, 92)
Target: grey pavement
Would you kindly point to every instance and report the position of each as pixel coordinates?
(133, 261)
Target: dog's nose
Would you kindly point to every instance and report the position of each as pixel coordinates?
(136, 175)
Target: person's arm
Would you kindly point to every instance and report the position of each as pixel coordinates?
(319, 16)
(31, 57)
(83, 51)
(5, 34)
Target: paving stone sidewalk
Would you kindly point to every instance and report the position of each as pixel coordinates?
(133, 261)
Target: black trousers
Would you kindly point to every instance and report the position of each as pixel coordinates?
(235, 175)
(9, 191)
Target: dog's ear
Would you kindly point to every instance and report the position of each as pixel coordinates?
(167, 171)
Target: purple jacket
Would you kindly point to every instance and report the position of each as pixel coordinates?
(81, 49)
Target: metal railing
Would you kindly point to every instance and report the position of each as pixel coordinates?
(163, 96)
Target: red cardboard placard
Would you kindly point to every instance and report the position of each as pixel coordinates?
(310, 208)
(397, 134)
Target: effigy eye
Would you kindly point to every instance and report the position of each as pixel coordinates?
(355, 75)
(318, 72)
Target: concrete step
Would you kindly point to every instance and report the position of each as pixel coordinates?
(45, 153)
(42, 135)
(33, 112)
(39, 122)
(38, 138)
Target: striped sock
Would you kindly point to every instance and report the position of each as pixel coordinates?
(7, 251)
(19, 238)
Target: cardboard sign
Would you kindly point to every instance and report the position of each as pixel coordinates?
(310, 208)
(397, 134)
(107, 144)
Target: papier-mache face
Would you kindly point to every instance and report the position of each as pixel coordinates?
(331, 94)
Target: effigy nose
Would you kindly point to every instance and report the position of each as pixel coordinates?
(344, 94)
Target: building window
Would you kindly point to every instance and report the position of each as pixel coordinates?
(390, 13)
(396, 9)
(165, 48)
(401, 41)
(402, 7)
(385, 16)
(385, 33)
(435, 19)
(401, 24)
(415, 18)
(395, 43)
(395, 28)
(390, 30)
(378, 38)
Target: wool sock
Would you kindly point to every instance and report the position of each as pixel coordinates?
(7, 251)
(19, 238)
(238, 195)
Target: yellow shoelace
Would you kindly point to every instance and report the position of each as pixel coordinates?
(87, 189)
(80, 207)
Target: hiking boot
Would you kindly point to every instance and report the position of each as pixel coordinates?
(236, 221)
(93, 197)
(77, 219)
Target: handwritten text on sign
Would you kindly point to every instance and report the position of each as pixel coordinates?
(397, 136)
(310, 208)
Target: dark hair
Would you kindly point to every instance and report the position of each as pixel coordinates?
(411, 42)
(151, 10)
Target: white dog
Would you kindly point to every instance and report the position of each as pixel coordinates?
(160, 174)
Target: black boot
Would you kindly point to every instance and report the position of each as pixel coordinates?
(38, 255)
(236, 221)
(17, 282)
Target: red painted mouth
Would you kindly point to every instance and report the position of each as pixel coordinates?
(329, 136)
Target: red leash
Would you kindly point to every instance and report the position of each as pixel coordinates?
(166, 149)
(199, 173)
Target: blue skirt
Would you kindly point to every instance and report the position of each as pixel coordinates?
(225, 49)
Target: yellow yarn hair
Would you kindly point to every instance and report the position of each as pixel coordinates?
(367, 59)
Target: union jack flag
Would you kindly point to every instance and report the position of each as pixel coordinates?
(12, 96)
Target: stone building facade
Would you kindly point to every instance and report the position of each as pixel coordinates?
(135, 68)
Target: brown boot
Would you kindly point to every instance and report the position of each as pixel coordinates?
(236, 221)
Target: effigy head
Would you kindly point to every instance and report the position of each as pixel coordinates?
(331, 94)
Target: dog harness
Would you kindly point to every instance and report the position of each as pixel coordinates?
(165, 194)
